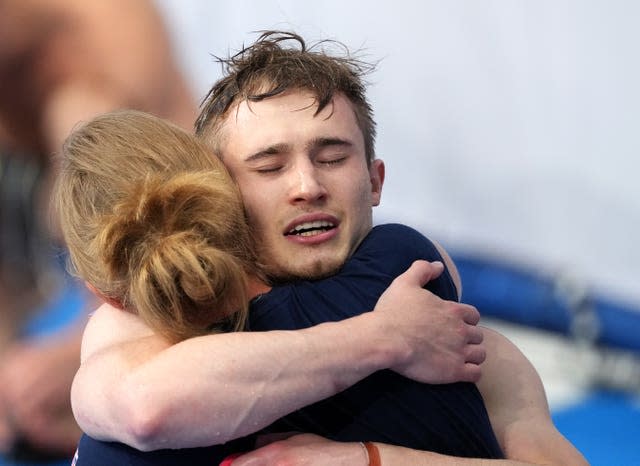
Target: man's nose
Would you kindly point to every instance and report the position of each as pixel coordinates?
(307, 185)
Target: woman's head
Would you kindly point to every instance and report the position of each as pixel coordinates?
(153, 221)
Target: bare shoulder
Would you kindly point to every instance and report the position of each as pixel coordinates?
(517, 406)
(507, 371)
(451, 266)
(108, 326)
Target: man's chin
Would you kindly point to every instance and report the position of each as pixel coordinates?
(313, 271)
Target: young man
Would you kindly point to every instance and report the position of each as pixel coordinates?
(296, 132)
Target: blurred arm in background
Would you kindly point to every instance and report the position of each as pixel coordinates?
(61, 62)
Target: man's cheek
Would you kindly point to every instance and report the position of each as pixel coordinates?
(257, 223)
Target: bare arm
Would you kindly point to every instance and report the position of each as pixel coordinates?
(310, 449)
(137, 389)
(244, 381)
(517, 407)
(63, 61)
(111, 55)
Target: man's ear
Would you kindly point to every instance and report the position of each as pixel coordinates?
(376, 175)
(111, 301)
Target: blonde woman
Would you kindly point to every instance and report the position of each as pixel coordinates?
(154, 224)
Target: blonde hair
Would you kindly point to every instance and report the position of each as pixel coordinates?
(153, 220)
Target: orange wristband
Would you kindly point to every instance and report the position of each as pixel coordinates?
(374, 454)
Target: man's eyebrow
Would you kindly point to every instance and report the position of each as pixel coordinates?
(274, 149)
(312, 146)
(319, 143)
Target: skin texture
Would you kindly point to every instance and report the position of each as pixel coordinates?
(297, 168)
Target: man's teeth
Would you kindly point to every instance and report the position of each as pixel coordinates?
(311, 228)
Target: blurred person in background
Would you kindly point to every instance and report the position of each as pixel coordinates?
(61, 62)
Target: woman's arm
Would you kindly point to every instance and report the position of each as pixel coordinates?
(135, 388)
(517, 408)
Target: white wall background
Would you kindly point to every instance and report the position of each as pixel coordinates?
(508, 127)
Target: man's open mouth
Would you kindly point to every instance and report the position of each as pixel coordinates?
(311, 228)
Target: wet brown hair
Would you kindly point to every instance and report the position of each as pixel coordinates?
(153, 221)
(281, 61)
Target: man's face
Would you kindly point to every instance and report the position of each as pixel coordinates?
(304, 180)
